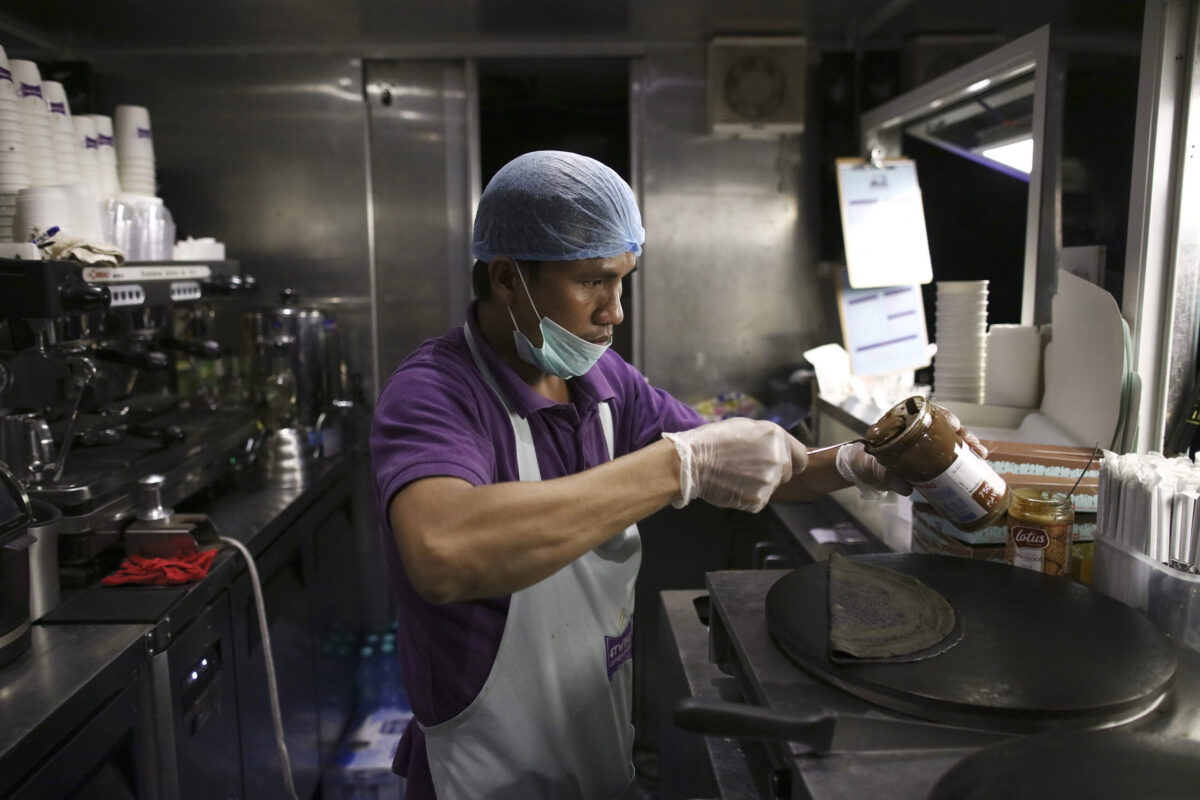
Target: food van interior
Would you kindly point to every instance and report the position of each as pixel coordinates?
(385, 121)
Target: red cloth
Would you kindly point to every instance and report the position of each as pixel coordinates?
(183, 568)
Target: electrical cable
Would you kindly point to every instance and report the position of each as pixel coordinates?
(272, 687)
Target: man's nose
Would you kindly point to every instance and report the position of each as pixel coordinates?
(611, 312)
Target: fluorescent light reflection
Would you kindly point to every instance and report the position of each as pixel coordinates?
(1018, 154)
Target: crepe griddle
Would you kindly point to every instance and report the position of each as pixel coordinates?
(1099, 765)
(1038, 652)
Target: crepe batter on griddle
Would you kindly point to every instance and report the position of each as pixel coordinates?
(881, 615)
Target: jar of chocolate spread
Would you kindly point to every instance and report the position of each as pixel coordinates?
(915, 440)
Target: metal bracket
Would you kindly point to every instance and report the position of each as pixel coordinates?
(159, 637)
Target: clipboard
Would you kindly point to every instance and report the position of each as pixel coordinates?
(883, 327)
(883, 222)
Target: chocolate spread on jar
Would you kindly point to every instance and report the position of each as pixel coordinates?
(915, 440)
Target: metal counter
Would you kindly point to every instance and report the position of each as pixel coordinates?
(101, 643)
(63, 678)
(253, 512)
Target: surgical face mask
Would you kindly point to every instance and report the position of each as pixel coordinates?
(562, 353)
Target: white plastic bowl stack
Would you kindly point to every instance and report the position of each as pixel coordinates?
(135, 150)
(35, 123)
(110, 181)
(40, 208)
(14, 169)
(62, 132)
(89, 151)
(960, 366)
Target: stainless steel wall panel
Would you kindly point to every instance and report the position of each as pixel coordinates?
(422, 197)
(266, 153)
(730, 280)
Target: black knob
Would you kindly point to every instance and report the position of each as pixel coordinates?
(249, 284)
(289, 297)
(76, 294)
(221, 285)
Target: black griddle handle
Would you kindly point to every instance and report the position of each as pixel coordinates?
(742, 721)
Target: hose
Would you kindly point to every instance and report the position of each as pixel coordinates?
(272, 687)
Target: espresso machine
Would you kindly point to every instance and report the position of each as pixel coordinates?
(299, 385)
(92, 360)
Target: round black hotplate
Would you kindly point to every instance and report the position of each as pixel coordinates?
(1099, 765)
(1037, 652)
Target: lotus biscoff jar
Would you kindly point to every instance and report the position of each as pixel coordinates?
(916, 440)
(1041, 525)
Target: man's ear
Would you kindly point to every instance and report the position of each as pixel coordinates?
(502, 272)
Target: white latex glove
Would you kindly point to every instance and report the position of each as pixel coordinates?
(970, 439)
(735, 463)
(856, 465)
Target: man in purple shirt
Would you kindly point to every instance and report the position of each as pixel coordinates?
(513, 457)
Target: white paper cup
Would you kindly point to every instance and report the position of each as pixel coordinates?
(86, 209)
(104, 137)
(56, 102)
(8, 91)
(132, 133)
(28, 83)
(961, 287)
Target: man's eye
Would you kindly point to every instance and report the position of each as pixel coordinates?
(594, 284)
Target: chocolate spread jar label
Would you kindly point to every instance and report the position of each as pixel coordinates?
(966, 491)
(1041, 547)
(1028, 547)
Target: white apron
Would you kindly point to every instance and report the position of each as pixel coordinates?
(553, 719)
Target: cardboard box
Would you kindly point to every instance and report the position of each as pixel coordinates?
(1048, 466)
(928, 536)
(925, 517)
(362, 766)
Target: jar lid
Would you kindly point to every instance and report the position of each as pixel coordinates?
(894, 427)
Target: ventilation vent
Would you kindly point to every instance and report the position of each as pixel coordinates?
(756, 84)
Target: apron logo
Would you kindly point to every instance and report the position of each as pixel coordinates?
(619, 648)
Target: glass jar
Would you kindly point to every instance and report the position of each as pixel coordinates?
(916, 440)
(1041, 527)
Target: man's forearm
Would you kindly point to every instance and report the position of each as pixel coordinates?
(820, 477)
(462, 542)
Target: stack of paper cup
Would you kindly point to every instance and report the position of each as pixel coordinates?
(961, 363)
(35, 122)
(110, 181)
(135, 150)
(14, 168)
(88, 151)
(62, 132)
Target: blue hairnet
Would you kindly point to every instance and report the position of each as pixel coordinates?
(550, 205)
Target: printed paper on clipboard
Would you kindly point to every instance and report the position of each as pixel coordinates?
(883, 328)
(883, 223)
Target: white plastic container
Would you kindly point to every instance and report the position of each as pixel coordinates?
(1169, 597)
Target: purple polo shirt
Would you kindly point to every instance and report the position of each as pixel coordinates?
(437, 417)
